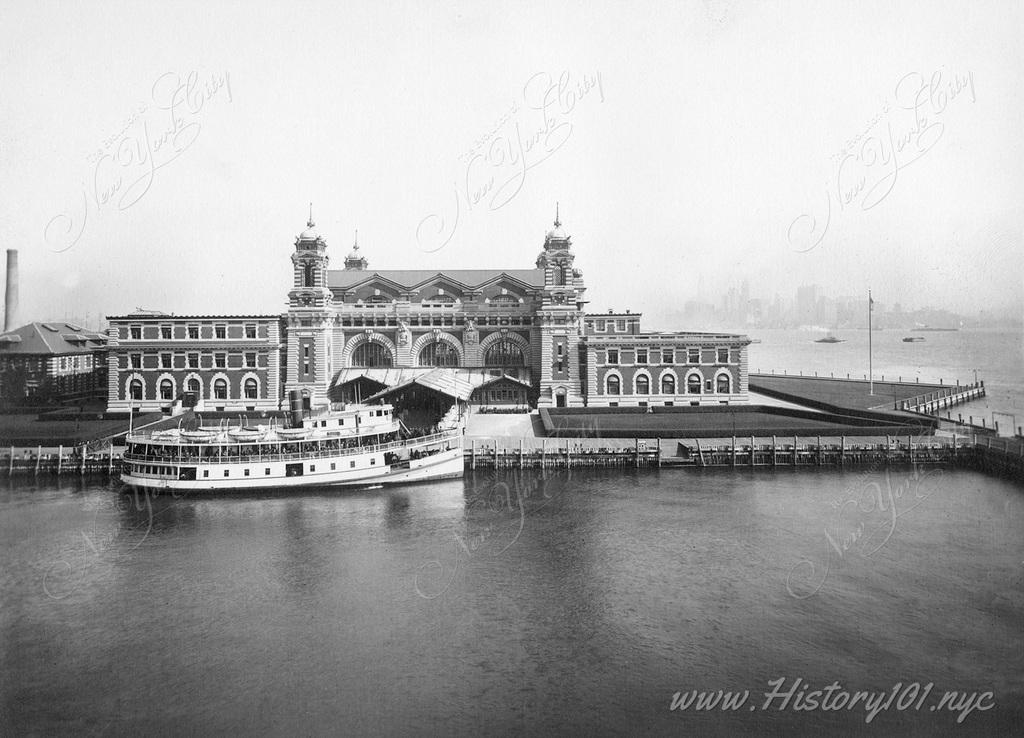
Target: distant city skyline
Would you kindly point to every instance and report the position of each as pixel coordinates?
(168, 163)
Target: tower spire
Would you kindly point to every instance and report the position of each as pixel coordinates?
(355, 244)
(310, 222)
(557, 222)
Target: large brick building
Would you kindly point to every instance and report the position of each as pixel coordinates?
(212, 362)
(349, 332)
(529, 324)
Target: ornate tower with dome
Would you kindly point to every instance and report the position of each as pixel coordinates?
(559, 326)
(309, 351)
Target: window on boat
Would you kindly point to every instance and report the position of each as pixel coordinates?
(266, 472)
(226, 472)
(351, 465)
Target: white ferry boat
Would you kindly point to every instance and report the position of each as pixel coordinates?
(355, 446)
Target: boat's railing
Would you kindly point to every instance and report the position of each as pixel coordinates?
(320, 453)
(171, 437)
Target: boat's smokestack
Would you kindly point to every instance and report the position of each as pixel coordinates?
(11, 295)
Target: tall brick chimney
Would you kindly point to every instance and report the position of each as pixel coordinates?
(11, 295)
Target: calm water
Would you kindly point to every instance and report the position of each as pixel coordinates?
(519, 603)
(998, 357)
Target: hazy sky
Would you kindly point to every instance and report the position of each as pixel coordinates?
(849, 144)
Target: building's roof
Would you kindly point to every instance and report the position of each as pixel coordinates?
(164, 317)
(504, 378)
(446, 381)
(674, 337)
(51, 339)
(413, 278)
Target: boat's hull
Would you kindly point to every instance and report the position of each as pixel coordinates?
(441, 465)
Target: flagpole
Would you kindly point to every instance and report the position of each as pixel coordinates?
(871, 376)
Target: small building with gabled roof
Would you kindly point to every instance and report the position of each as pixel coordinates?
(61, 362)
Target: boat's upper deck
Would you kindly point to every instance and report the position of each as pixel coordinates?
(348, 422)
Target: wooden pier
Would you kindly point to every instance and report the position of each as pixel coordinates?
(60, 460)
(941, 399)
(1001, 454)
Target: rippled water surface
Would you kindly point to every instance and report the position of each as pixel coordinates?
(517, 603)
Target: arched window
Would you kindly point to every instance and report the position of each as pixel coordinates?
(693, 384)
(371, 354)
(614, 385)
(504, 353)
(504, 301)
(643, 385)
(220, 389)
(722, 384)
(135, 389)
(559, 274)
(439, 353)
(251, 389)
(166, 389)
(193, 386)
(308, 276)
(668, 385)
(438, 300)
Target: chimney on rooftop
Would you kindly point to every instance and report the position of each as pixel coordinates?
(11, 295)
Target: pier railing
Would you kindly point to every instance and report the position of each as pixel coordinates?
(1004, 455)
(941, 399)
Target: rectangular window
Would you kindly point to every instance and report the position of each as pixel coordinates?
(351, 465)
(206, 472)
(600, 326)
(193, 361)
(246, 472)
(620, 325)
(613, 356)
(332, 466)
(723, 356)
(693, 356)
(250, 360)
(220, 331)
(135, 332)
(220, 361)
(373, 461)
(193, 332)
(165, 332)
(641, 356)
(312, 467)
(667, 356)
(166, 361)
(266, 472)
(226, 472)
(250, 331)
